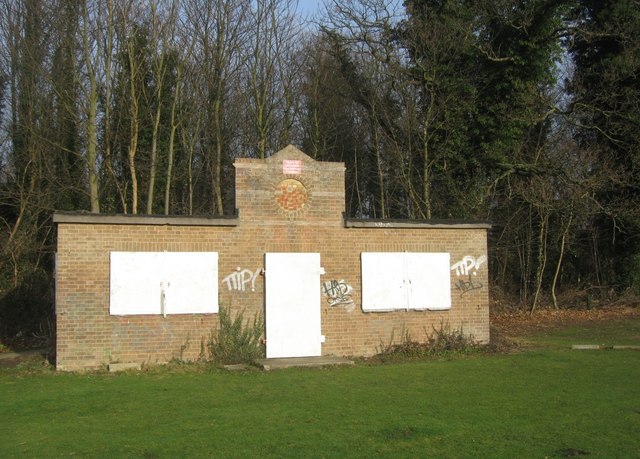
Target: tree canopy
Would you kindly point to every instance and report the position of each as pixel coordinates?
(522, 113)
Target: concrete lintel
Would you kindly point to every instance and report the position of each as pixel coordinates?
(249, 163)
(155, 220)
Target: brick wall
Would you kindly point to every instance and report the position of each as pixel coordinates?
(298, 208)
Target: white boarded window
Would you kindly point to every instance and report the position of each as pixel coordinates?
(163, 283)
(403, 280)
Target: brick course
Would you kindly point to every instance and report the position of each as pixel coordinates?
(89, 337)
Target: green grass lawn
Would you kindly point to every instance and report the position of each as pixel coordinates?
(613, 332)
(543, 402)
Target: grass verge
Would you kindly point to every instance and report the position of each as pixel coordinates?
(616, 331)
(545, 402)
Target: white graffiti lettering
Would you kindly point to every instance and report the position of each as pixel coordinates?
(468, 265)
(339, 293)
(241, 279)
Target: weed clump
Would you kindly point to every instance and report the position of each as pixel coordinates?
(440, 341)
(236, 340)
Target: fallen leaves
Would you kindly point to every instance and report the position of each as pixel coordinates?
(515, 323)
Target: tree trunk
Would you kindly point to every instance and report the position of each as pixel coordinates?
(134, 129)
(542, 257)
(92, 142)
(217, 182)
(426, 172)
(172, 137)
(154, 155)
(380, 173)
(560, 257)
(92, 110)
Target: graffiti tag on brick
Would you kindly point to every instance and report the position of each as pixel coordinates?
(242, 280)
(338, 293)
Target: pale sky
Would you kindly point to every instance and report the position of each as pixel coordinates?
(309, 7)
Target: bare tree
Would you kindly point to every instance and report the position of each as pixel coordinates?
(272, 62)
(91, 52)
(107, 49)
(218, 30)
(162, 32)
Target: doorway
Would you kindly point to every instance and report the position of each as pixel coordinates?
(292, 305)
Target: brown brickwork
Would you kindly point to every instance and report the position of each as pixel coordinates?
(310, 219)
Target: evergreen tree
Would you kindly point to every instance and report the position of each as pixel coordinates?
(605, 48)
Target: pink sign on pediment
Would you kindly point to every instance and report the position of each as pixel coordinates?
(292, 166)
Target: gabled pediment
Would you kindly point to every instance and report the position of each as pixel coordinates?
(290, 152)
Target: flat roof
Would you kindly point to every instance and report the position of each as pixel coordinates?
(137, 219)
(232, 220)
(410, 224)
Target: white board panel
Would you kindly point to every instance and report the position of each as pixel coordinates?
(192, 282)
(135, 283)
(405, 280)
(383, 281)
(292, 293)
(429, 278)
(163, 283)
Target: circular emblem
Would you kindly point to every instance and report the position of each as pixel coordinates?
(291, 195)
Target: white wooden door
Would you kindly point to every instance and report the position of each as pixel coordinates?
(292, 297)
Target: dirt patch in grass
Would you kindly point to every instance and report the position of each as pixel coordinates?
(518, 323)
(14, 359)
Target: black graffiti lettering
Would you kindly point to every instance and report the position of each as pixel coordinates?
(338, 292)
(467, 285)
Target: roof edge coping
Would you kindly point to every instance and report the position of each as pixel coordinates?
(409, 224)
(130, 219)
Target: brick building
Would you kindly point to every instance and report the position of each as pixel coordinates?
(146, 289)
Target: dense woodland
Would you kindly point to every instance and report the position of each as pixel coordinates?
(524, 113)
